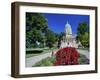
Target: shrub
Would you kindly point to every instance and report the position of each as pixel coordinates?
(33, 51)
(67, 56)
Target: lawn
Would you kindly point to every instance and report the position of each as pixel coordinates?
(46, 62)
(36, 52)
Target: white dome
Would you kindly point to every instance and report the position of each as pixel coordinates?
(68, 29)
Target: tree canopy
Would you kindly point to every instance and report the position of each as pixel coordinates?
(83, 34)
(37, 30)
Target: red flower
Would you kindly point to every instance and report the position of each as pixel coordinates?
(67, 56)
(57, 63)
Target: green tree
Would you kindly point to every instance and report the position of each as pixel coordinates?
(82, 28)
(36, 25)
(85, 39)
(50, 38)
(61, 35)
(83, 34)
(36, 20)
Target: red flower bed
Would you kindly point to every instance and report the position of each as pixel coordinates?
(66, 56)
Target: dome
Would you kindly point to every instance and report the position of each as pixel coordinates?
(68, 29)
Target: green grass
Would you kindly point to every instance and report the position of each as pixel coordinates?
(35, 51)
(46, 62)
(83, 60)
(38, 52)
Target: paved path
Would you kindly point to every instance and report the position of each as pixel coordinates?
(32, 60)
(84, 52)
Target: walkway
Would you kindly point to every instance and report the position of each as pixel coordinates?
(32, 60)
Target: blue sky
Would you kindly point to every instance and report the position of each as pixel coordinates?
(57, 22)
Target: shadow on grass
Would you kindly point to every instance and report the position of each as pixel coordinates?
(83, 59)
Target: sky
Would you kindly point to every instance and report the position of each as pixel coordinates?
(57, 22)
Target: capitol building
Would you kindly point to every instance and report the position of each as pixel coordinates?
(69, 39)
